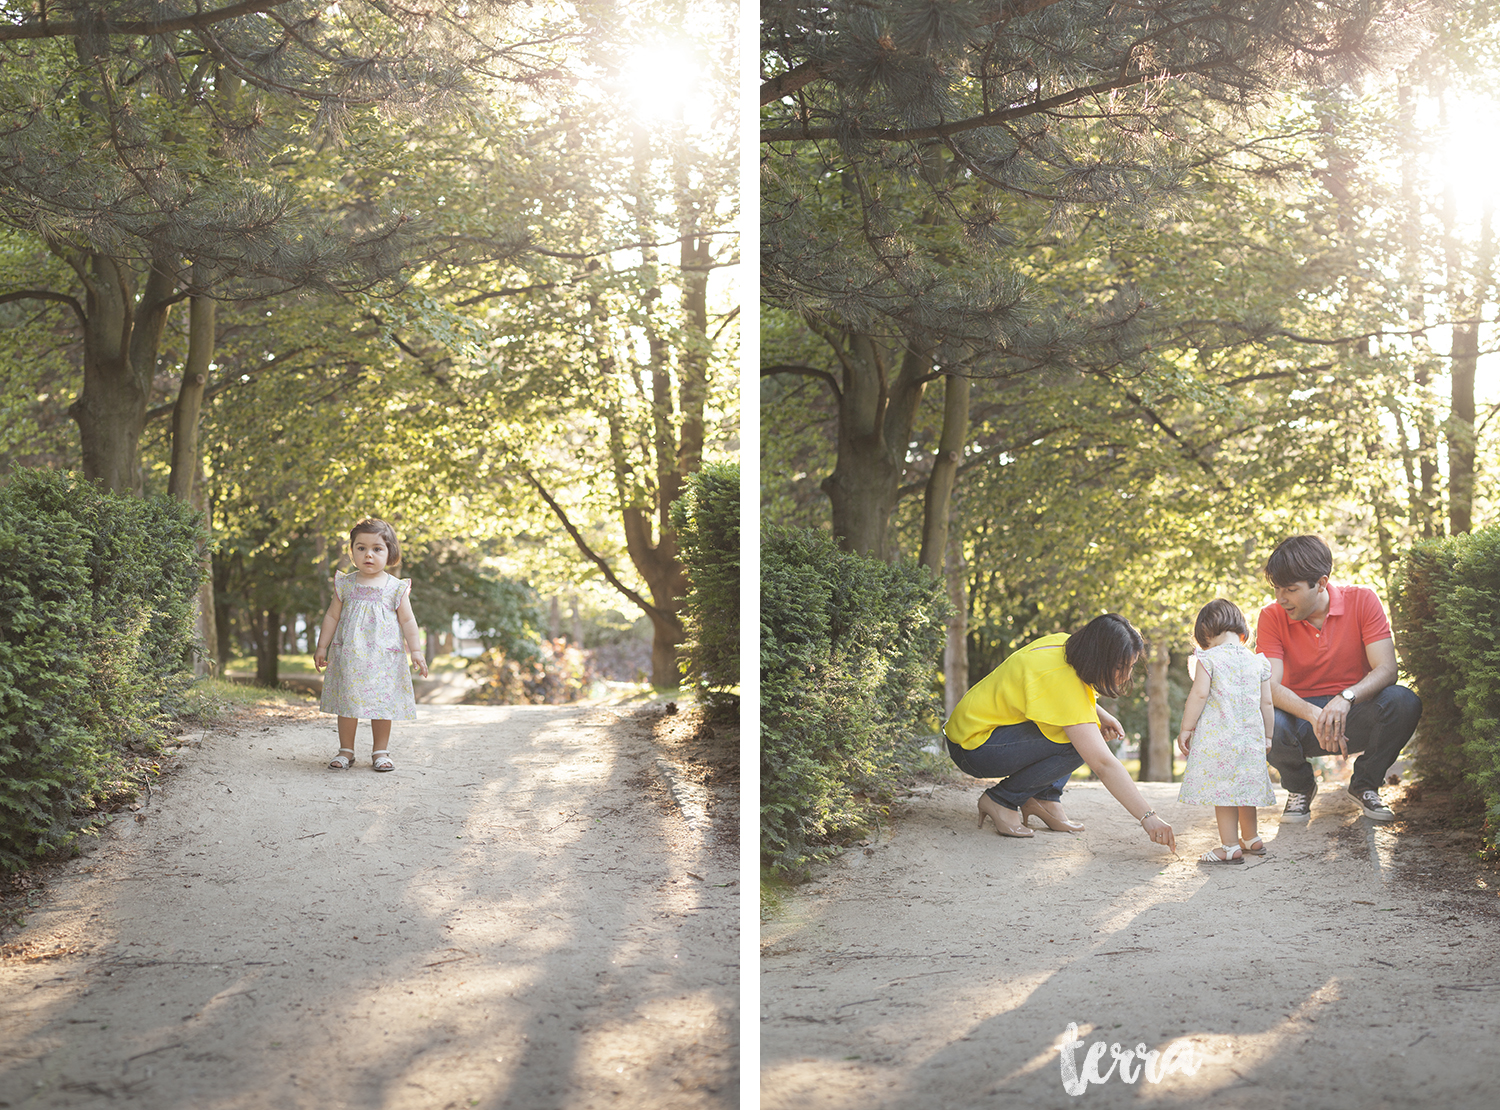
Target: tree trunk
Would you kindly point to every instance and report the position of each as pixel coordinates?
(1461, 434)
(956, 646)
(204, 661)
(222, 622)
(1156, 747)
(938, 498)
(267, 624)
(121, 341)
(875, 419)
(666, 578)
(1461, 440)
(185, 462)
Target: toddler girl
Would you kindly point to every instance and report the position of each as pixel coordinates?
(1226, 729)
(361, 641)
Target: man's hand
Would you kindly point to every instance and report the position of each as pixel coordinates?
(1328, 725)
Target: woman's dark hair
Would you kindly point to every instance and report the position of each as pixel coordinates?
(1216, 618)
(372, 526)
(1299, 559)
(1101, 650)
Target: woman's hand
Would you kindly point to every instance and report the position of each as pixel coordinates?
(1109, 726)
(1160, 832)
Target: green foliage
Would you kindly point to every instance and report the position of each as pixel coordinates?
(848, 646)
(96, 615)
(1448, 591)
(707, 521)
(448, 581)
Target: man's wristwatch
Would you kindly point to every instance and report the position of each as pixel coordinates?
(1348, 695)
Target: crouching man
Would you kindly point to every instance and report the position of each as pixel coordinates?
(1333, 678)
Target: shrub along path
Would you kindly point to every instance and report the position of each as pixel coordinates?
(941, 966)
(518, 916)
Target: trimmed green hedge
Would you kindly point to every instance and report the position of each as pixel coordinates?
(96, 619)
(1445, 602)
(849, 652)
(707, 521)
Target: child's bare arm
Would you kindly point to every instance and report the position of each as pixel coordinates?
(1267, 711)
(1197, 698)
(411, 633)
(325, 634)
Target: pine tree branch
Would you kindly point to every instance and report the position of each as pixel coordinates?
(804, 371)
(45, 295)
(598, 560)
(799, 77)
(805, 133)
(38, 26)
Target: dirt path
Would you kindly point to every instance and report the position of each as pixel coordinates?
(517, 917)
(941, 967)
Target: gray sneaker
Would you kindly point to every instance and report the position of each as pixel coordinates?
(1375, 809)
(1299, 806)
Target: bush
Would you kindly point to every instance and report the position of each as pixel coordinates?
(1447, 594)
(552, 673)
(96, 616)
(849, 655)
(707, 521)
(1422, 582)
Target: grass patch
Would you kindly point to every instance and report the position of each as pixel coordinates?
(303, 664)
(773, 894)
(210, 700)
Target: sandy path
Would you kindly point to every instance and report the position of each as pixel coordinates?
(942, 966)
(511, 919)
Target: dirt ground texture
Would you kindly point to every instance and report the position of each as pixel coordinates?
(1354, 966)
(521, 915)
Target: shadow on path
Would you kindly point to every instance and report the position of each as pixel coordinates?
(944, 969)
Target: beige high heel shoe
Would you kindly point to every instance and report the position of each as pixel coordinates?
(1005, 820)
(1051, 814)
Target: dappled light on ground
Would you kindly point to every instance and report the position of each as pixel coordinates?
(944, 969)
(505, 921)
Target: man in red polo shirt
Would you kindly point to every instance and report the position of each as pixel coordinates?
(1333, 678)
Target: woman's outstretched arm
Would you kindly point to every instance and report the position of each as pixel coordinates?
(1088, 741)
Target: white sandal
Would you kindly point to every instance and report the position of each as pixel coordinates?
(342, 762)
(1255, 846)
(1232, 854)
(382, 761)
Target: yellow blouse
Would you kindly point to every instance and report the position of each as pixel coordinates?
(1033, 683)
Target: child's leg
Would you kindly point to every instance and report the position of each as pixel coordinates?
(345, 758)
(1226, 816)
(1247, 824)
(379, 757)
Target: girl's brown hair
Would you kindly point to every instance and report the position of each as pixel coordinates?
(1216, 618)
(373, 526)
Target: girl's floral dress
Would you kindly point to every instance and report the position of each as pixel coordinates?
(367, 673)
(1227, 758)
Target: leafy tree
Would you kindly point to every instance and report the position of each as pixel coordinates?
(158, 154)
(912, 147)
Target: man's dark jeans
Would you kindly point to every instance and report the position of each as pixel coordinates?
(1379, 728)
(1030, 765)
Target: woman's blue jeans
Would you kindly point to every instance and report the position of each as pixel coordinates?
(1027, 763)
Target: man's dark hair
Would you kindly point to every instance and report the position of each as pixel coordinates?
(1101, 650)
(1216, 618)
(1299, 559)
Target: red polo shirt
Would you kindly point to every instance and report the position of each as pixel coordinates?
(1331, 659)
